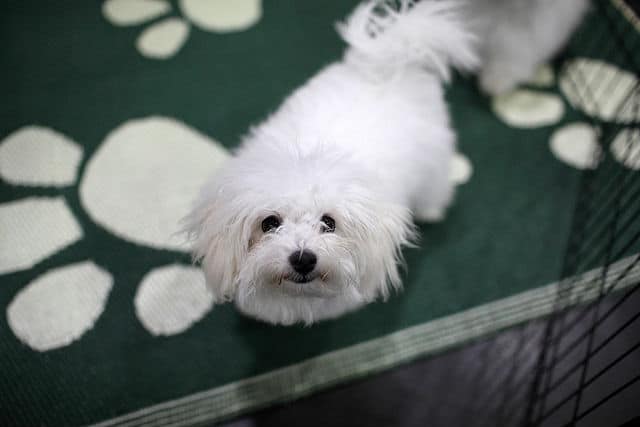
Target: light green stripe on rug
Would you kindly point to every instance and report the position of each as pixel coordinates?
(301, 379)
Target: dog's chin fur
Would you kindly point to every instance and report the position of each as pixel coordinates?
(292, 304)
(366, 141)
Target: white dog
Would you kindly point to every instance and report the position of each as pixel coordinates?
(308, 220)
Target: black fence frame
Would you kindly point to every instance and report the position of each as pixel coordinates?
(580, 366)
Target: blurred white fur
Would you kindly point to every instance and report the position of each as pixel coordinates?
(366, 141)
(517, 36)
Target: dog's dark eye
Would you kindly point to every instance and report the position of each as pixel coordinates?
(270, 223)
(328, 224)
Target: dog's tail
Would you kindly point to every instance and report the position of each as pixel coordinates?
(385, 36)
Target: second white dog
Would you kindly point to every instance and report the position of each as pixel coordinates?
(308, 220)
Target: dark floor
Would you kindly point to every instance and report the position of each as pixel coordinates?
(490, 382)
(485, 383)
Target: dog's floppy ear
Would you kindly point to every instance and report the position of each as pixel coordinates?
(381, 230)
(218, 234)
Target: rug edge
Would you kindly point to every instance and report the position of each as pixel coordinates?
(372, 356)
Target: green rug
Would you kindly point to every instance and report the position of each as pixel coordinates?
(113, 115)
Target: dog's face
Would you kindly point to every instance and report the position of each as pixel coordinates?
(301, 264)
(298, 251)
(296, 244)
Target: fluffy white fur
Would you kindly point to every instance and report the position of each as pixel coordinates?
(367, 141)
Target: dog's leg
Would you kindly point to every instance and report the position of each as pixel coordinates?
(522, 35)
(433, 196)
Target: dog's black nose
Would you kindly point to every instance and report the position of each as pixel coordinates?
(303, 262)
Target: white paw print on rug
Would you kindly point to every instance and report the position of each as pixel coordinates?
(164, 39)
(596, 88)
(137, 185)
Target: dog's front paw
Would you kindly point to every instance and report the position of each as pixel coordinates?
(495, 83)
(430, 215)
(500, 76)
